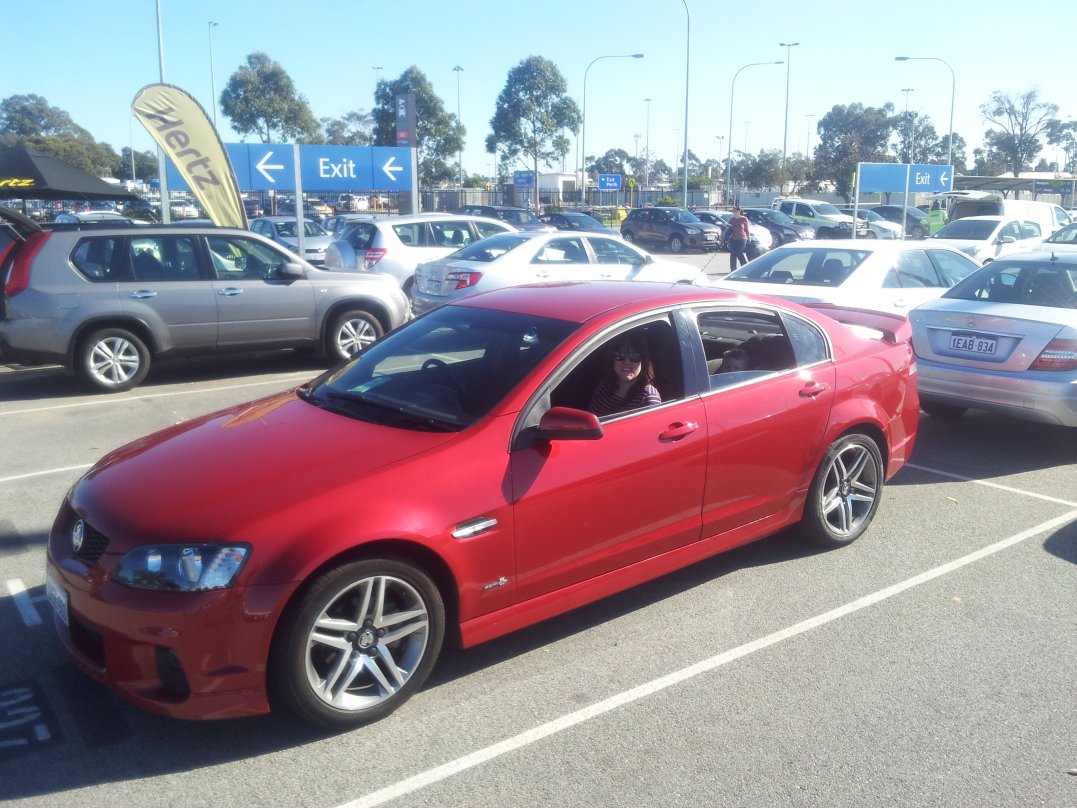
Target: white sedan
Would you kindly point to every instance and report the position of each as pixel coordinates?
(985, 238)
(889, 276)
(513, 259)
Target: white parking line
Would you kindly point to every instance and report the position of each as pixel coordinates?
(461, 764)
(1010, 489)
(24, 603)
(30, 474)
(110, 400)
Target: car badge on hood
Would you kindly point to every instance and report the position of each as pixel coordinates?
(78, 535)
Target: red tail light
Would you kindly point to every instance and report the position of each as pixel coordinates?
(460, 280)
(372, 257)
(1060, 354)
(18, 276)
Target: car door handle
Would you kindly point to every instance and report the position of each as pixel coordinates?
(542, 273)
(812, 389)
(676, 431)
(142, 294)
(231, 291)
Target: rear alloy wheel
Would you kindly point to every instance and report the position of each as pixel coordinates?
(845, 492)
(112, 360)
(628, 236)
(938, 410)
(871, 234)
(676, 244)
(360, 642)
(351, 332)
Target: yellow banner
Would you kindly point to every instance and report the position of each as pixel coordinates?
(183, 130)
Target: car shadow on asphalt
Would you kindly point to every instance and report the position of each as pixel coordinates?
(18, 383)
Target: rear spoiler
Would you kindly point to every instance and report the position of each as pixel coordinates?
(895, 328)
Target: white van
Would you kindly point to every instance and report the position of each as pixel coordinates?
(961, 204)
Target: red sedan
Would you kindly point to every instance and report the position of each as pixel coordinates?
(312, 550)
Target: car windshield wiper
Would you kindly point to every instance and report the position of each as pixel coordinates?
(398, 415)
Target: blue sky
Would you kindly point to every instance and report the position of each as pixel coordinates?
(90, 57)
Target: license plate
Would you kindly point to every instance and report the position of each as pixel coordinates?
(971, 343)
(431, 287)
(57, 596)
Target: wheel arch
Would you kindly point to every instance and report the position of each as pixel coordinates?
(367, 304)
(137, 327)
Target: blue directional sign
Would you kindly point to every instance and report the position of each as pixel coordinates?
(524, 178)
(272, 166)
(914, 178)
(609, 182)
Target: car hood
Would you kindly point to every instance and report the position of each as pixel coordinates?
(208, 478)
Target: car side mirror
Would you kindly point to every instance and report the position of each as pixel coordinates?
(290, 269)
(566, 423)
(1006, 240)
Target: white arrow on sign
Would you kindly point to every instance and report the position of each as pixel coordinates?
(389, 168)
(265, 167)
(943, 178)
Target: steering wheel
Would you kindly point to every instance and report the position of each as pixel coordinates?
(438, 372)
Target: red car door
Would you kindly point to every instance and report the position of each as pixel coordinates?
(584, 508)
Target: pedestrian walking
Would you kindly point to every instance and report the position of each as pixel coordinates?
(738, 239)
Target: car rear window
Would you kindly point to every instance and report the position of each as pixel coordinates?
(94, 258)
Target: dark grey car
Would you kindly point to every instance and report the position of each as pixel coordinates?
(107, 302)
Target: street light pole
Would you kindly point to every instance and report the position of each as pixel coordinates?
(729, 141)
(212, 85)
(460, 154)
(647, 147)
(807, 147)
(583, 115)
(687, 63)
(788, 64)
(953, 90)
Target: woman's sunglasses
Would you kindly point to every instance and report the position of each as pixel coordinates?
(621, 356)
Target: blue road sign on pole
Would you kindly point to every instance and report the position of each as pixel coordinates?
(525, 178)
(609, 182)
(913, 178)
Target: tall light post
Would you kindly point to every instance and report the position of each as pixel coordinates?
(377, 75)
(729, 141)
(162, 175)
(647, 147)
(212, 85)
(807, 146)
(687, 63)
(583, 114)
(788, 64)
(953, 90)
(460, 154)
(908, 125)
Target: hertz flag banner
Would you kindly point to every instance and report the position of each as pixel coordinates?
(183, 130)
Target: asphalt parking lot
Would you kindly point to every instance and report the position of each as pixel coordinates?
(930, 663)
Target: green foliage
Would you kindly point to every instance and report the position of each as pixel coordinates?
(531, 115)
(260, 99)
(849, 135)
(29, 121)
(353, 129)
(1021, 121)
(439, 134)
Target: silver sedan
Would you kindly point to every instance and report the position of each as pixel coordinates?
(1004, 339)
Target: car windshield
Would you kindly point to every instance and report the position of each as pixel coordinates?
(442, 372)
(807, 266)
(519, 217)
(490, 249)
(776, 216)
(826, 209)
(968, 230)
(580, 221)
(684, 217)
(1067, 235)
(1052, 286)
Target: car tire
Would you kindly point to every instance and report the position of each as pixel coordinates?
(845, 491)
(112, 360)
(359, 641)
(628, 236)
(919, 232)
(871, 234)
(351, 331)
(940, 410)
(676, 244)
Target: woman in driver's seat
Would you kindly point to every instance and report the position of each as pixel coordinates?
(628, 383)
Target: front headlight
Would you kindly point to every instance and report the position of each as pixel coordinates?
(692, 231)
(182, 567)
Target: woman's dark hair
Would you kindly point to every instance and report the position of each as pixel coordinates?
(632, 343)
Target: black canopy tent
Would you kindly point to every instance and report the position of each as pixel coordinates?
(28, 174)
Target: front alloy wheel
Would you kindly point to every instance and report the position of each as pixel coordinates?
(351, 332)
(112, 360)
(845, 492)
(362, 641)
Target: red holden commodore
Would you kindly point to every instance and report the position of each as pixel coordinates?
(500, 460)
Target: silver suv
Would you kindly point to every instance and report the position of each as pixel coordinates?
(398, 244)
(109, 301)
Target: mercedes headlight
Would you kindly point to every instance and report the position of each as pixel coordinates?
(182, 567)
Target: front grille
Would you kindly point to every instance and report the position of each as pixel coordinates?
(88, 641)
(94, 544)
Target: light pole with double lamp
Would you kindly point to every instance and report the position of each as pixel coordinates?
(460, 154)
(583, 115)
(788, 64)
(953, 90)
(212, 85)
(729, 142)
